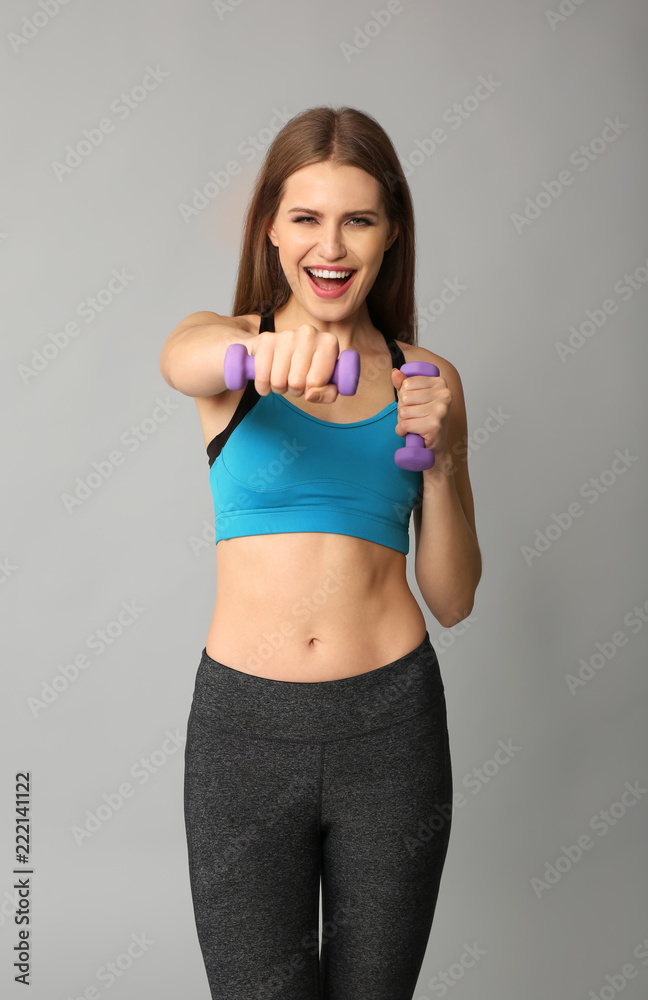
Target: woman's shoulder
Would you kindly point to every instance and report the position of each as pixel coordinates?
(446, 370)
(250, 322)
(413, 352)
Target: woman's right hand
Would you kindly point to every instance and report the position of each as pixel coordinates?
(295, 362)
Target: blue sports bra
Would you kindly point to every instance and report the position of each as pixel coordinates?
(276, 469)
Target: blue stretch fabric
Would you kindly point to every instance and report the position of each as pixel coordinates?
(277, 469)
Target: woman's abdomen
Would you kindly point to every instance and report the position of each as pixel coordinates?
(311, 606)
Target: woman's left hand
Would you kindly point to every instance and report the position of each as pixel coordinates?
(423, 408)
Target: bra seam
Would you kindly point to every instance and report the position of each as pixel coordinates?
(275, 490)
(263, 511)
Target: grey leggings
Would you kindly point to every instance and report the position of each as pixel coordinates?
(288, 782)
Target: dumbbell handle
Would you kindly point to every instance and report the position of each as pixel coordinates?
(414, 456)
(238, 368)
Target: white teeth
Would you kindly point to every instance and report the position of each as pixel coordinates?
(319, 273)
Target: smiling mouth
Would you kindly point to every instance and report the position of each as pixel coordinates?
(326, 284)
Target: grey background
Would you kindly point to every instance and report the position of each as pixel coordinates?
(67, 572)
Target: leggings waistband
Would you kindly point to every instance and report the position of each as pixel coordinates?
(234, 701)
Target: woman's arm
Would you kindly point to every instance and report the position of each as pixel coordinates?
(448, 563)
(193, 354)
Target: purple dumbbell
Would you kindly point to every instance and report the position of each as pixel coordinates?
(238, 367)
(414, 456)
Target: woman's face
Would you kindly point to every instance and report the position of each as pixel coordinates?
(331, 216)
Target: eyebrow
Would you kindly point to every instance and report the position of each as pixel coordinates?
(312, 211)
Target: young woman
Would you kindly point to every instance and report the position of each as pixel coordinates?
(317, 743)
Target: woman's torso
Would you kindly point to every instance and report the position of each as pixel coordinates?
(312, 606)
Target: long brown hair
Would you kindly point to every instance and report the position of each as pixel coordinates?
(344, 136)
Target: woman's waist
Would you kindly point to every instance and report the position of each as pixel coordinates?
(294, 562)
(313, 635)
(327, 591)
(391, 690)
(299, 564)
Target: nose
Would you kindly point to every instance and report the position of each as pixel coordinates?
(331, 243)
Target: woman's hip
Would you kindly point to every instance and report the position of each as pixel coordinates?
(227, 700)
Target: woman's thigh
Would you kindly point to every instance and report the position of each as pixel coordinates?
(386, 815)
(350, 779)
(251, 817)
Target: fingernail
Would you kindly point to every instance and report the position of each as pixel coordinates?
(315, 398)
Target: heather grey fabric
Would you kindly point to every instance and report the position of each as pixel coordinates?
(286, 782)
